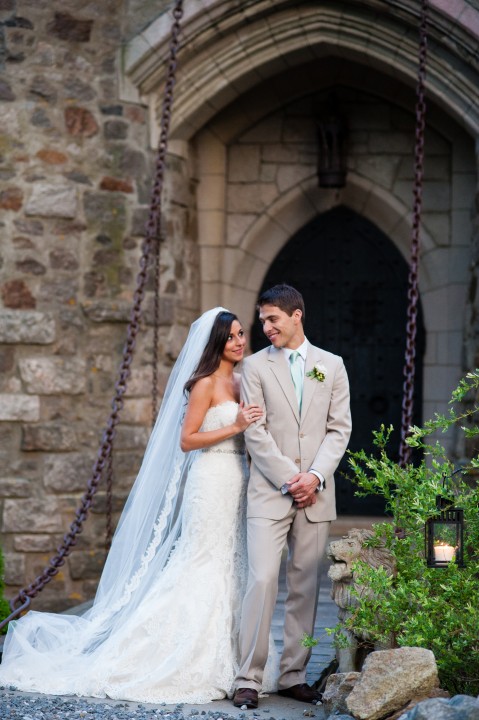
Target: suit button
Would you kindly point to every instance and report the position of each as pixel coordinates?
(301, 435)
(298, 461)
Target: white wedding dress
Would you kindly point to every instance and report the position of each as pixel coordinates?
(180, 644)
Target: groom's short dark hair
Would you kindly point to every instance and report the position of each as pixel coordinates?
(287, 298)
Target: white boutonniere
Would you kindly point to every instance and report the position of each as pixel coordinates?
(317, 373)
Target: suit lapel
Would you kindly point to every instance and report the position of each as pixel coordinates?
(283, 376)
(309, 386)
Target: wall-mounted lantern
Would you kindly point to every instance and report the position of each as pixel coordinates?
(332, 146)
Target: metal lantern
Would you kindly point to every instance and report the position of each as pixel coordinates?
(332, 147)
(445, 536)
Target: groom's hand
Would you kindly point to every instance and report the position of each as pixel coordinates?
(303, 489)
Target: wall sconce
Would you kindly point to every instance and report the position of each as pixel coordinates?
(332, 147)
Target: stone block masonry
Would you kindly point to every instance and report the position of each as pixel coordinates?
(75, 178)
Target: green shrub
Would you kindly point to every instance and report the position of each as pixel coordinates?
(432, 608)
(4, 606)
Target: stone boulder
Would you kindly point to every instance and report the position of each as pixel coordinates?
(390, 679)
(460, 707)
(337, 689)
(435, 693)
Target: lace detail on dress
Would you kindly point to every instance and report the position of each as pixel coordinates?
(215, 418)
(148, 556)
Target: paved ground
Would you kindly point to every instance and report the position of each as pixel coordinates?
(15, 705)
(27, 706)
(31, 706)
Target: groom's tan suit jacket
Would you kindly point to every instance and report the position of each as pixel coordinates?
(281, 444)
(285, 442)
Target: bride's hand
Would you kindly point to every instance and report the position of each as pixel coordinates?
(247, 414)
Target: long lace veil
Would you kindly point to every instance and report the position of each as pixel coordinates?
(148, 529)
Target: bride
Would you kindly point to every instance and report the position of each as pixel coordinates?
(165, 620)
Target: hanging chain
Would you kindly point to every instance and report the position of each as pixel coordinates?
(413, 292)
(109, 501)
(153, 240)
(154, 224)
(22, 600)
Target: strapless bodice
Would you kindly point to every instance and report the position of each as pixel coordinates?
(217, 417)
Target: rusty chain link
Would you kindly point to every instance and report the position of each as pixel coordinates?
(413, 292)
(154, 228)
(22, 600)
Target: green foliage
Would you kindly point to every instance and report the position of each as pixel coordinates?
(420, 606)
(4, 606)
(308, 641)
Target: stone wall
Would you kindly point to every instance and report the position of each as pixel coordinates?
(75, 178)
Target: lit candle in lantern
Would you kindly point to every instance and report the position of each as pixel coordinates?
(444, 552)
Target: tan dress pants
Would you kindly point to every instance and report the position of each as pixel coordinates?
(306, 545)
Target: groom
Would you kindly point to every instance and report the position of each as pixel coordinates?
(295, 449)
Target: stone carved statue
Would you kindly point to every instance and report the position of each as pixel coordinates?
(343, 554)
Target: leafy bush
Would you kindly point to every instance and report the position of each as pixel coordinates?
(432, 608)
(4, 606)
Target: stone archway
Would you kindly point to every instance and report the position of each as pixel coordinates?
(242, 64)
(230, 48)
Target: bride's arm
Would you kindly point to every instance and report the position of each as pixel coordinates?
(200, 401)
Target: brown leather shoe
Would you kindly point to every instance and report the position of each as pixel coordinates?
(302, 692)
(246, 696)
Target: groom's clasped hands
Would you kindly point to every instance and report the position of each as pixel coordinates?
(303, 488)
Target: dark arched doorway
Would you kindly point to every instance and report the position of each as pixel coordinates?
(354, 282)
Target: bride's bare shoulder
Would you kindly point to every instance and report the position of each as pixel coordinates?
(202, 388)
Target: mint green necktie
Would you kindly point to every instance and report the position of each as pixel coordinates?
(297, 376)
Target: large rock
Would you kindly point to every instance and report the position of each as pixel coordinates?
(67, 472)
(389, 679)
(14, 573)
(6, 92)
(17, 296)
(67, 27)
(48, 436)
(19, 408)
(7, 359)
(80, 122)
(338, 688)
(460, 707)
(15, 487)
(435, 693)
(49, 200)
(54, 375)
(11, 199)
(18, 326)
(106, 211)
(35, 543)
(120, 310)
(86, 565)
(107, 310)
(31, 516)
(129, 437)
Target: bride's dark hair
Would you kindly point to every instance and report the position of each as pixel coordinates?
(210, 359)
